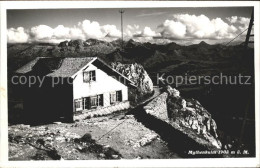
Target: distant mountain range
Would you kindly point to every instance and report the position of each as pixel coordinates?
(170, 57)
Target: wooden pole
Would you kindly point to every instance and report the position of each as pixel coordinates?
(249, 29)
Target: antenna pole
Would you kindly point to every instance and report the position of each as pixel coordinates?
(122, 29)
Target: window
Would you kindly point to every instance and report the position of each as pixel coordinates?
(89, 76)
(115, 96)
(93, 101)
(78, 104)
(96, 101)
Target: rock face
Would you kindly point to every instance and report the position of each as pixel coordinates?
(74, 48)
(75, 43)
(185, 115)
(137, 74)
(190, 114)
(63, 44)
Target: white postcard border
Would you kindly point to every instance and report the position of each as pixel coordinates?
(216, 162)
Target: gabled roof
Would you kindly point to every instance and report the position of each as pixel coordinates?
(70, 66)
(55, 66)
(67, 67)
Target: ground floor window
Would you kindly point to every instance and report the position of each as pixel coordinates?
(92, 101)
(96, 101)
(78, 104)
(116, 96)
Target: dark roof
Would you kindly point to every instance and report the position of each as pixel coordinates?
(70, 66)
(67, 67)
(55, 66)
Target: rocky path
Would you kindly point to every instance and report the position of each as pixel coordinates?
(89, 139)
(81, 140)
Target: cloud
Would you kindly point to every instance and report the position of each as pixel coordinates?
(91, 29)
(179, 27)
(94, 30)
(61, 32)
(147, 32)
(185, 26)
(171, 29)
(17, 35)
(243, 22)
(132, 30)
(151, 14)
(232, 19)
(111, 31)
(240, 20)
(222, 29)
(76, 33)
(43, 33)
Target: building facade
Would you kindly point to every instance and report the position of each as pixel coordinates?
(74, 86)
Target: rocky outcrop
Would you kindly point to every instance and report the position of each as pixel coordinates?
(91, 42)
(63, 44)
(71, 46)
(185, 115)
(75, 48)
(191, 115)
(75, 43)
(137, 74)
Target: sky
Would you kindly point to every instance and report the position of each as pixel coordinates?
(182, 25)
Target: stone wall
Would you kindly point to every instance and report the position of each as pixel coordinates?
(157, 107)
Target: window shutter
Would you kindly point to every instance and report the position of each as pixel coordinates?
(119, 95)
(94, 75)
(88, 104)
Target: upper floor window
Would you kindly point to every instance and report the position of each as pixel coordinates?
(89, 76)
